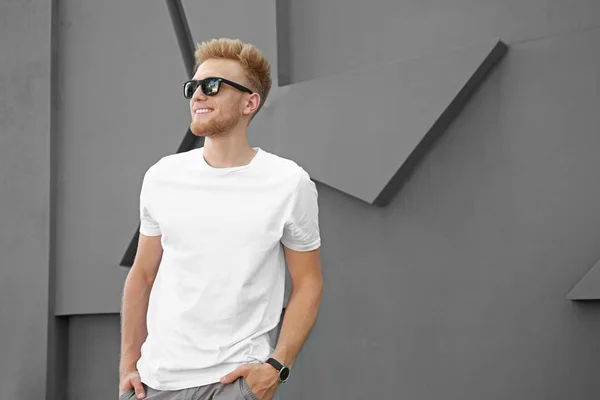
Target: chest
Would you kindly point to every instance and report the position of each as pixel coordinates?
(216, 214)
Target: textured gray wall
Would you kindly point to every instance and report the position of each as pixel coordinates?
(93, 357)
(24, 197)
(455, 290)
(328, 36)
(120, 108)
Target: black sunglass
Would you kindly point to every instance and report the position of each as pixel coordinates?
(209, 86)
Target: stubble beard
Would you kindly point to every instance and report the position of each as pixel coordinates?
(214, 127)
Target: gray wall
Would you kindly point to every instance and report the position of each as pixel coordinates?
(327, 36)
(93, 357)
(119, 110)
(454, 290)
(25, 58)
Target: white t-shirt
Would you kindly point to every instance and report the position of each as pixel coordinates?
(220, 286)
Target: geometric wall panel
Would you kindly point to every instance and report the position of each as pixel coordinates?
(588, 288)
(362, 131)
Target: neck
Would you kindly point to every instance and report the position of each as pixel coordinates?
(227, 151)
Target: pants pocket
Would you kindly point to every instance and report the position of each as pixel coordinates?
(247, 393)
(127, 395)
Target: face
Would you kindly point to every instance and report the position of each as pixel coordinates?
(220, 114)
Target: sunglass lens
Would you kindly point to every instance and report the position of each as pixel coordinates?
(188, 89)
(210, 87)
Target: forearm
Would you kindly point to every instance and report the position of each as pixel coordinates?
(298, 321)
(136, 295)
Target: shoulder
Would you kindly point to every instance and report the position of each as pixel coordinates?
(170, 162)
(287, 169)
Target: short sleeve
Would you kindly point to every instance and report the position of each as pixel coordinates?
(301, 230)
(148, 225)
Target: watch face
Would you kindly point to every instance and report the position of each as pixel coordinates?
(284, 374)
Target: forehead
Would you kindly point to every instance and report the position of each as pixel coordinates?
(228, 69)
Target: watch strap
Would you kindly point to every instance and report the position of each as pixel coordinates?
(276, 364)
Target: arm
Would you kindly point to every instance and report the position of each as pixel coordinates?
(136, 295)
(303, 305)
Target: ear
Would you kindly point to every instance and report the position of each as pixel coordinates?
(251, 104)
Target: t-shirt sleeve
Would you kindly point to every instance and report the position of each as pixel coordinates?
(301, 230)
(148, 225)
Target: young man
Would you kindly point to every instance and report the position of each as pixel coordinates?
(218, 226)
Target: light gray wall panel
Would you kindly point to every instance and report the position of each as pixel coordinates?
(93, 354)
(25, 57)
(328, 36)
(120, 110)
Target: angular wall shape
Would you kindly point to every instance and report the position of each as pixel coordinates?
(362, 131)
(588, 288)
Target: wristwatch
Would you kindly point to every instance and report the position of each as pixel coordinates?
(284, 372)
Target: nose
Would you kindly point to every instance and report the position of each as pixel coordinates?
(198, 95)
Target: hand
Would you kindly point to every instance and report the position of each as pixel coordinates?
(262, 379)
(132, 381)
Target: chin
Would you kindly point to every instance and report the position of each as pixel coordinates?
(205, 130)
(213, 127)
(199, 129)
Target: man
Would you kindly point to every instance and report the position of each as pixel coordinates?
(218, 226)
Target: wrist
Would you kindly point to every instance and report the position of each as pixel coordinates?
(283, 357)
(282, 371)
(126, 369)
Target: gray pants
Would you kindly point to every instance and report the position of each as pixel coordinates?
(238, 390)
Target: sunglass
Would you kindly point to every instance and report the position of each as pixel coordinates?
(209, 86)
